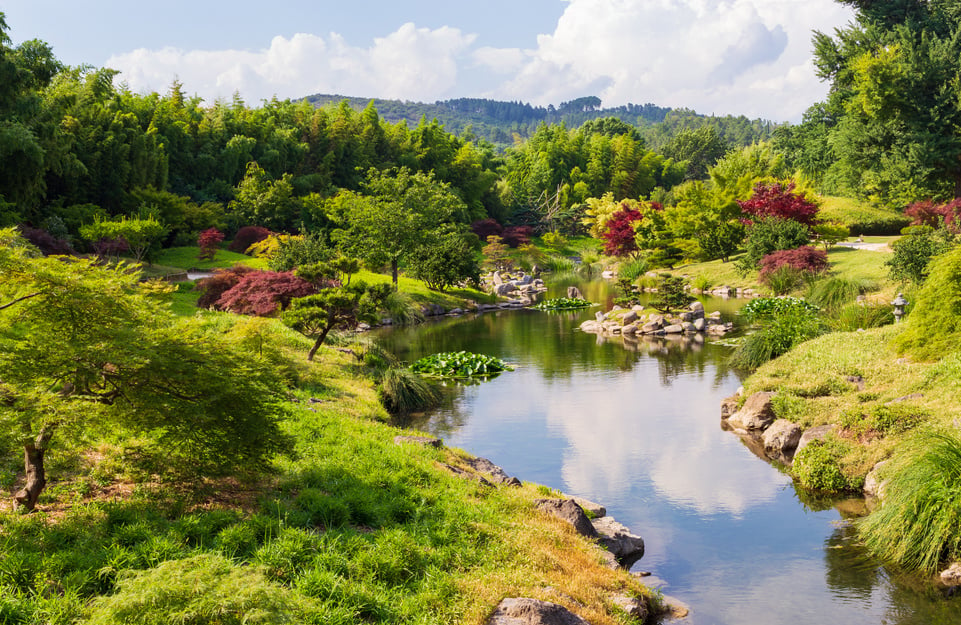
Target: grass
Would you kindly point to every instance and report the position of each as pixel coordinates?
(184, 258)
(348, 527)
(818, 371)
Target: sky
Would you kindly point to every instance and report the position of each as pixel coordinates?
(739, 57)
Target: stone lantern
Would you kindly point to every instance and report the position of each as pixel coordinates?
(899, 303)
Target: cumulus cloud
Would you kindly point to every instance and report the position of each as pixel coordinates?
(750, 57)
(409, 64)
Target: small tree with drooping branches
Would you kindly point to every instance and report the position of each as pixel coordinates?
(619, 234)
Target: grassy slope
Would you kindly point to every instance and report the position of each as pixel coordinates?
(358, 527)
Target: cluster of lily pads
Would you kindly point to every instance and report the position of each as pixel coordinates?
(563, 303)
(459, 365)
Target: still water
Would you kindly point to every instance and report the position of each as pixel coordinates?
(635, 426)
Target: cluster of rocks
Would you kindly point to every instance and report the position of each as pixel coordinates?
(621, 548)
(781, 440)
(521, 286)
(628, 321)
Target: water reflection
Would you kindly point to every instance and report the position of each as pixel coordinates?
(635, 425)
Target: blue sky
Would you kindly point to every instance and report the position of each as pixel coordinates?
(748, 57)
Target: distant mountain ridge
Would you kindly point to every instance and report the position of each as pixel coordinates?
(501, 122)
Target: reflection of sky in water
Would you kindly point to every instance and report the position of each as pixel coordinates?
(641, 435)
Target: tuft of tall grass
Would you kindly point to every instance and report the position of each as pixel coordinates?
(917, 524)
(632, 269)
(776, 337)
(557, 264)
(402, 391)
(833, 293)
(861, 316)
(402, 309)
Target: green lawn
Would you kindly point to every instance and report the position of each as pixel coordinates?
(184, 258)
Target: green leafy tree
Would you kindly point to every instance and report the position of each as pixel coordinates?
(83, 346)
(397, 215)
(449, 260)
(143, 236)
(771, 234)
(262, 201)
(914, 252)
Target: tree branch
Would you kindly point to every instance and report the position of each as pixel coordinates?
(20, 299)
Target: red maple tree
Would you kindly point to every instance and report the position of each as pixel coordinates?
(773, 199)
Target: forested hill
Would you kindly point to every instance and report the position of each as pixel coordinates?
(500, 122)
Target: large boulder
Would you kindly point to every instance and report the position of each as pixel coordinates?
(567, 510)
(729, 405)
(504, 289)
(951, 576)
(757, 413)
(494, 473)
(629, 317)
(817, 433)
(522, 611)
(674, 329)
(619, 540)
(596, 510)
(874, 485)
(781, 438)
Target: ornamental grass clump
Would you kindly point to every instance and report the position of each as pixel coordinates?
(460, 365)
(917, 524)
(784, 323)
(402, 391)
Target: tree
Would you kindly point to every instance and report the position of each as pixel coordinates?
(914, 252)
(448, 261)
(770, 234)
(618, 232)
(83, 345)
(142, 236)
(265, 202)
(264, 293)
(208, 241)
(343, 308)
(698, 148)
(398, 214)
(779, 200)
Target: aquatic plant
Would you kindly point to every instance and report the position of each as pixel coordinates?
(459, 365)
(563, 303)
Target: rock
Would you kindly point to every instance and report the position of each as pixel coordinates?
(568, 510)
(467, 475)
(905, 398)
(650, 327)
(629, 317)
(817, 433)
(699, 324)
(590, 326)
(756, 414)
(634, 606)
(674, 329)
(857, 381)
(497, 474)
(427, 441)
(873, 485)
(523, 280)
(496, 278)
(599, 316)
(781, 438)
(686, 316)
(951, 576)
(596, 510)
(504, 289)
(522, 611)
(714, 315)
(629, 329)
(619, 540)
(689, 327)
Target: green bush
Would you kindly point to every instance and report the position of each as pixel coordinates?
(934, 325)
(818, 466)
(914, 252)
(632, 269)
(916, 525)
(771, 234)
(766, 308)
(778, 334)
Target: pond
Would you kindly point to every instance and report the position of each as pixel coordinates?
(635, 426)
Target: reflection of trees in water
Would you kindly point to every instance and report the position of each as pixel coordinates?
(442, 421)
(914, 601)
(849, 571)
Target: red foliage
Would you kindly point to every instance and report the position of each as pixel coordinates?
(208, 241)
(618, 232)
(106, 247)
(46, 242)
(804, 258)
(222, 281)
(247, 236)
(262, 293)
(486, 228)
(927, 213)
(515, 236)
(778, 200)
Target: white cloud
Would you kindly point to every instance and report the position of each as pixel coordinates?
(750, 57)
(410, 63)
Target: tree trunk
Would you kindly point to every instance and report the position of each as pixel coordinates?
(393, 270)
(33, 454)
(318, 343)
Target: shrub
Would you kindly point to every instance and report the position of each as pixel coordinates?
(247, 236)
(780, 333)
(618, 232)
(830, 233)
(262, 293)
(767, 308)
(771, 234)
(818, 467)
(446, 261)
(294, 252)
(783, 280)
(882, 420)
(222, 281)
(934, 325)
(914, 252)
(916, 525)
(486, 228)
(208, 241)
(632, 269)
(927, 213)
(702, 283)
(779, 200)
(804, 259)
(671, 294)
(515, 236)
(48, 244)
(554, 240)
(495, 254)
